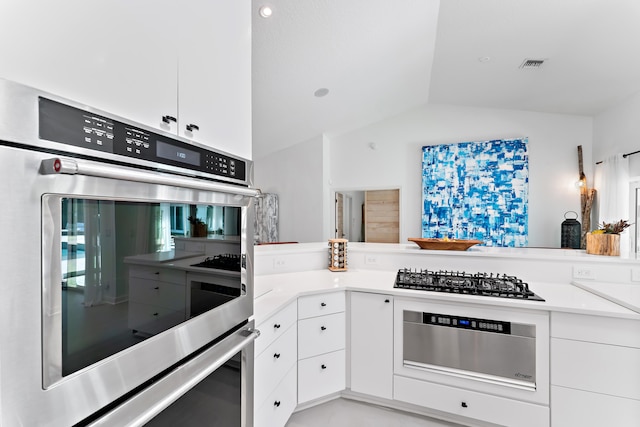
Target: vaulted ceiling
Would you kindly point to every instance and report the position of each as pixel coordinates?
(379, 58)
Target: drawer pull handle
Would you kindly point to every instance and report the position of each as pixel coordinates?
(276, 355)
(322, 328)
(156, 288)
(276, 403)
(322, 304)
(324, 366)
(464, 405)
(192, 127)
(276, 326)
(155, 314)
(168, 119)
(387, 301)
(157, 272)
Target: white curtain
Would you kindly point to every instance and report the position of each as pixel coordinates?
(612, 185)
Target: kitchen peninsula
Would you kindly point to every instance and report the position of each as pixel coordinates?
(578, 328)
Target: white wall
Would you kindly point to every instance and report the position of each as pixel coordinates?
(297, 175)
(300, 177)
(396, 160)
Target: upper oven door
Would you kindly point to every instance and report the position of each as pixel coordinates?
(97, 305)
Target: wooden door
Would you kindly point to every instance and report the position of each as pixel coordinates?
(382, 216)
(339, 212)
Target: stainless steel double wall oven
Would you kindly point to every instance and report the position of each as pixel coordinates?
(102, 320)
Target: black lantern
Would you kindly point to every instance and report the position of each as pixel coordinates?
(570, 232)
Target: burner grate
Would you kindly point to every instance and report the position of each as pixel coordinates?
(483, 284)
(230, 262)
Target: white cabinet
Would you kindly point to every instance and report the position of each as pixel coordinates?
(214, 70)
(321, 334)
(470, 404)
(371, 320)
(157, 299)
(279, 405)
(321, 345)
(595, 371)
(188, 60)
(275, 368)
(113, 55)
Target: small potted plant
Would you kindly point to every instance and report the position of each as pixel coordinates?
(606, 239)
(198, 227)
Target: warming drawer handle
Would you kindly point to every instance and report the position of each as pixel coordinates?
(59, 165)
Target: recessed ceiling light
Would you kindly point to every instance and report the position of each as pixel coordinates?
(484, 59)
(323, 91)
(265, 11)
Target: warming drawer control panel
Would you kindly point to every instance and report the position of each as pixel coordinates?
(73, 126)
(472, 323)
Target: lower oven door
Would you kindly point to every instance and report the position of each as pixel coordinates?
(213, 388)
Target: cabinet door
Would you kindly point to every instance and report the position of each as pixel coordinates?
(371, 318)
(215, 74)
(115, 55)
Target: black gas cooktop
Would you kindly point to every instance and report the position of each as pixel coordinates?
(483, 284)
(230, 262)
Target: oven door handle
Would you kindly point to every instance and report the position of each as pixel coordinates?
(144, 406)
(60, 165)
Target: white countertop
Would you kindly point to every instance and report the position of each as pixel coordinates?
(277, 290)
(624, 294)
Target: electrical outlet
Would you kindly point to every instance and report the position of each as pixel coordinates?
(279, 263)
(583, 273)
(370, 259)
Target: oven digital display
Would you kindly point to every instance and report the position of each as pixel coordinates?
(182, 155)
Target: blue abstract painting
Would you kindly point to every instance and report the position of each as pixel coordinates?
(476, 190)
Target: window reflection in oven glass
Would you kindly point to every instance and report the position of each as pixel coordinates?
(109, 304)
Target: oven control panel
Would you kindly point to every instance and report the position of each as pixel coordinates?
(76, 127)
(460, 322)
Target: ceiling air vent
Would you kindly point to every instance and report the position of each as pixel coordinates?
(532, 64)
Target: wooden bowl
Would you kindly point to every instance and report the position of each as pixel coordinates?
(444, 245)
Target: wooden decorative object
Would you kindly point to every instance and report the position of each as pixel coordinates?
(338, 254)
(444, 245)
(587, 195)
(603, 244)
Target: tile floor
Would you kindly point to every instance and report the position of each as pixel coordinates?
(349, 413)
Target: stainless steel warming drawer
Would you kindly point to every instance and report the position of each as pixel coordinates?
(493, 350)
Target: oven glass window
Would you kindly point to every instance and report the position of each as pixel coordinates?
(125, 268)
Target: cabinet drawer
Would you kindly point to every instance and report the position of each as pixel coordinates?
(321, 375)
(153, 319)
(605, 330)
(156, 293)
(600, 368)
(319, 335)
(161, 274)
(279, 405)
(272, 365)
(275, 326)
(319, 305)
(473, 405)
(585, 409)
